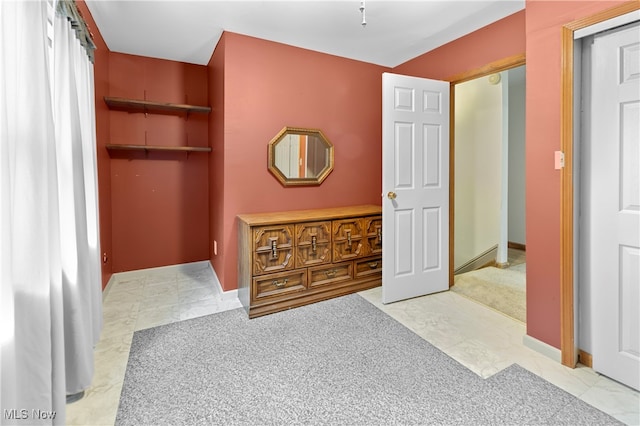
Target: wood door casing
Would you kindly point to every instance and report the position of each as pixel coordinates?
(491, 68)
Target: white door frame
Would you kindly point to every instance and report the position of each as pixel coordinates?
(568, 289)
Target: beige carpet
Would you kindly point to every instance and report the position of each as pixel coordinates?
(501, 289)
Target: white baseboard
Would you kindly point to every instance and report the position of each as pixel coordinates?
(542, 348)
(182, 267)
(225, 295)
(479, 261)
(106, 289)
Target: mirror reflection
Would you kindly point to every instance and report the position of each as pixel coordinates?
(300, 156)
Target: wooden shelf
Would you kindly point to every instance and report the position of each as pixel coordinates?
(135, 105)
(146, 148)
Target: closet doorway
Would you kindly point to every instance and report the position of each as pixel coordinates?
(488, 187)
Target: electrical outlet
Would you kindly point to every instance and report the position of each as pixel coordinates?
(105, 258)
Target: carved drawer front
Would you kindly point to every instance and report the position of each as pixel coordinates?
(348, 239)
(373, 231)
(273, 285)
(313, 243)
(368, 268)
(273, 249)
(330, 274)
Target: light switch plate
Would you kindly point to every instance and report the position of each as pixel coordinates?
(559, 160)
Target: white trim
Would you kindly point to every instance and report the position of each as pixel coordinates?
(224, 295)
(183, 267)
(479, 261)
(105, 291)
(618, 21)
(542, 348)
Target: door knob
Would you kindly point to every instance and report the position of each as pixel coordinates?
(391, 195)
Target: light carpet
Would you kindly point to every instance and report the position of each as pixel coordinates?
(501, 289)
(338, 362)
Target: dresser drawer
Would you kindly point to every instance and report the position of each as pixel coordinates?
(330, 274)
(273, 249)
(348, 239)
(368, 268)
(373, 232)
(274, 285)
(313, 243)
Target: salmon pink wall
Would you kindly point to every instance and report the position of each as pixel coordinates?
(267, 86)
(159, 199)
(544, 23)
(216, 74)
(101, 81)
(499, 40)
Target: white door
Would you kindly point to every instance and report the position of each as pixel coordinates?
(415, 184)
(614, 204)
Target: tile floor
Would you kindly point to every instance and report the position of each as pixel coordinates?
(482, 339)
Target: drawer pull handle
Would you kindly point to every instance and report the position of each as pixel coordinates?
(314, 242)
(331, 274)
(281, 283)
(373, 265)
(379, 236)
(349, 239)
(274, 249)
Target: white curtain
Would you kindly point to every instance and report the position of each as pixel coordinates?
(50, 288)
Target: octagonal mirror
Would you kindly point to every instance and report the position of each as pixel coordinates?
(299, 156)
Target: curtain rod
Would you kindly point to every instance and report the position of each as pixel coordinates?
(69, 10)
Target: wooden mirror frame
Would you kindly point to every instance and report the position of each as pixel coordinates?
(299, 181)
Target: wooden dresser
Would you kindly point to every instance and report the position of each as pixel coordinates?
(290, 259)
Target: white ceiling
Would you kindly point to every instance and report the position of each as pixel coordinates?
(396, 31)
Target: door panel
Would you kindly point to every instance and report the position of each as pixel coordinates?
(613, 264)
(432, 238)
(404, 150)
(432, 148)
(404, 245)
(628, 300)
(415, 181)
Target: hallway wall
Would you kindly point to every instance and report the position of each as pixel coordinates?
(478, 153)
(517, 158)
